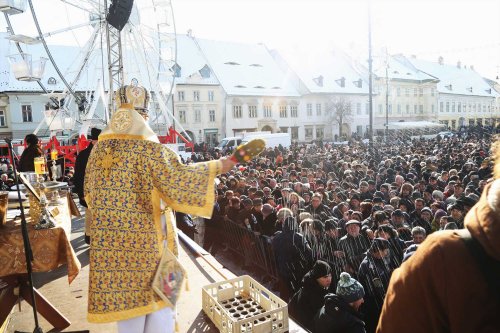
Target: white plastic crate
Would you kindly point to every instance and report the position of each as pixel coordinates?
(242, 305)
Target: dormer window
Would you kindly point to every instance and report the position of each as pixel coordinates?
(205, 72)
(256, 65)
(319, 80)
(469, 89)
(358, 83)
(449, 87)
(51, 80)
(232, 63)
(488, 91)
(276, 88)
(341, 82)
(259, 87)
(176, 69)
(395, 72)
(239, 86)
(408, 73)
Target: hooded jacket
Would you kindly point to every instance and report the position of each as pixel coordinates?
(337, 316)
(441, 284)
(307, 301)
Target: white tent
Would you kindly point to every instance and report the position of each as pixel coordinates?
(415, 125)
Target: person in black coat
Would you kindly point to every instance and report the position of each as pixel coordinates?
(27, 160)
(79, 175)
(374, 274)
(310, 298)
(293, 257)
(340, 312)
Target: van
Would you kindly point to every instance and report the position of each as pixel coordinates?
(272, 140)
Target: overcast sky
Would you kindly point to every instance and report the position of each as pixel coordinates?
(465, 30)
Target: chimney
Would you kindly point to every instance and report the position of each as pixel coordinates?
(413, 56)
(459, 64)
(190, 33)
(472, 67)
(440, 60)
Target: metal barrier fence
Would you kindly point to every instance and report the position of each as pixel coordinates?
(255, 249)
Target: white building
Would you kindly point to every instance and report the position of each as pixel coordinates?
(402, 93)
(198, 96)
(257, 94)
(464, 97)
(324, 80)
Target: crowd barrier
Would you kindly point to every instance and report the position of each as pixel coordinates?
(253, 248)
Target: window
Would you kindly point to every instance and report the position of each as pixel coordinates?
(407, 92)
(27, 113)
(421, 92)
(237, 111)
(320, 131)
(398, 91)
(3, 121)
(380, 109)
(441, 107)
(268, 111)
(309, 109)
(399, 108)
(407, 109)
(447, 106)
(415, 108)
(182, 116)
(252, 111)
(358, 108)
(283, 111)
(196, 96)
(318, 109)
(205, 72)
(459, 107)
(421, 108)
(295, 133)
(197, 115)
(211, 96)
(414, 91)
(51, 81)
(180, 96)
(453, 107)
(293, 111)
(211, 116)
(432, 92)
(308, 133)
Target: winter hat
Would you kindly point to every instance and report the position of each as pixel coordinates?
(349, 289)
(320, 269)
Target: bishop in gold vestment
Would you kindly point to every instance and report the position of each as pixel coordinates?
(130, 175)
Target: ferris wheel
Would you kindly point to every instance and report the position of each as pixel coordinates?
(115, 48)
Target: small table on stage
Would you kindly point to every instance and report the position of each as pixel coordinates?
(51, 249)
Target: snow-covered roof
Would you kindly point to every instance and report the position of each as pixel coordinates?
(246, 69)
(329, 73)
(399, 69)
(191, 62)
(455, 80)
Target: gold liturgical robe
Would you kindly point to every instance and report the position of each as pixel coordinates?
(128, 175)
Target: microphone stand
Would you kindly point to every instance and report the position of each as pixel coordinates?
(27, 246)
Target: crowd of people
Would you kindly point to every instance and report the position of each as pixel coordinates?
(349, 213)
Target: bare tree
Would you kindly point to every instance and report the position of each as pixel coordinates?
(339, 111)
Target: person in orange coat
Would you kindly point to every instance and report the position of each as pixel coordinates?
(445, 286)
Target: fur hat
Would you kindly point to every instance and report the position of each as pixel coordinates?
(349, 289)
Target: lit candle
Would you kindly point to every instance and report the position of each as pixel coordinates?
(53, 154)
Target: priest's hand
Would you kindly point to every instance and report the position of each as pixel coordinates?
(227, 164)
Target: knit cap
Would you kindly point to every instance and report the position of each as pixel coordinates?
(349, 289)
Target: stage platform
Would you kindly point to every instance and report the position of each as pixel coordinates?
(71, 300)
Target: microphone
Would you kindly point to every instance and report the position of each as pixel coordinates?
(8, 140)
